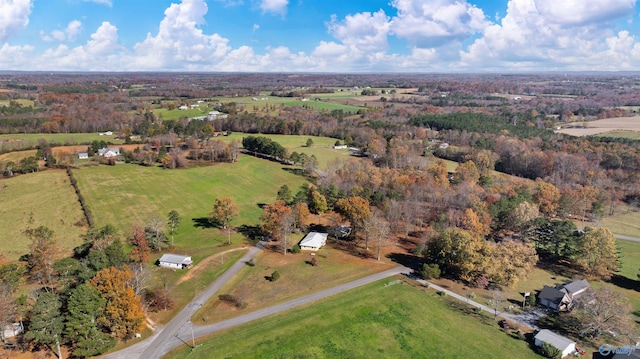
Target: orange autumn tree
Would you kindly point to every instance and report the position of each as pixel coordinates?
(123, 313)
(224, 211)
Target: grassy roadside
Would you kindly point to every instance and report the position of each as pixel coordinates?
(374, 321)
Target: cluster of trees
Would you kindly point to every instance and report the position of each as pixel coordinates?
(264, 146)
(90, 300)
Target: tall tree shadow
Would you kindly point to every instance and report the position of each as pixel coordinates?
(407, 260)
(624, 282)
(252, 233)
(204, 222)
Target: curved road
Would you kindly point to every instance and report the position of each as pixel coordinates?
(180, 330)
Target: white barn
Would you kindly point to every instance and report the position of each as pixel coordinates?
(564, 344)
(313, 241)
(175, 261)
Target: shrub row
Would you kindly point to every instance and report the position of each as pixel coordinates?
(83, 204)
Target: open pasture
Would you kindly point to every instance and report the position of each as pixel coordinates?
(373, 321)
(29, 140)
(603, 126)
(126, 194)
(22, 101)
(38, 199)
(322, 147)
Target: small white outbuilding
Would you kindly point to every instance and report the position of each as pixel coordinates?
(564, 344)
(175, 261)
(313, 241)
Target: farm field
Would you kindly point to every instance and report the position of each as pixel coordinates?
(16, 156)
(38, 199)
(373, 321)
(22, 101)
(125, 194)
(322, 147)
(603, 126)
(298, 278)
(26, 140)
(166, 114)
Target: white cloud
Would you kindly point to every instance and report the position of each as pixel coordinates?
(231, 3)
(102, 2)
(14, 16)
(433, 23)
(69, 33)
(541, 35)
(180, 40)
(582, 12)
(101, 53)
(274, 6)
(255, 27)
(363, 32)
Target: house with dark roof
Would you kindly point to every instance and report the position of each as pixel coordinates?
(561, 296)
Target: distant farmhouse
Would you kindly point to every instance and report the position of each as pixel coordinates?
(175, 261)
(109, 152)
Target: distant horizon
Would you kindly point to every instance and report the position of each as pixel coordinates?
(287, 36)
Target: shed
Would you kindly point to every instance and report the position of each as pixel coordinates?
(174, 261)
(313, 241)
(564, 344)
(83, 155)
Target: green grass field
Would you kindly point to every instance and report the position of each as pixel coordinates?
(38, 199)
(322, 147)
(126, 194)
(23, 101)
(31, 139)
(166, 114)
(298, 278)
(16, 156)
(374, 321)
(634, 135)
(627, 224)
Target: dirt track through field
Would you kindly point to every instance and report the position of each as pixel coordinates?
(205, 262)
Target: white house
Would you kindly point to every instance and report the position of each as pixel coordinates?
(565, 345)
(109, 152)
(183, 107)
(83, 155)
(339, 147)
(313, 241)
(175, 261)
(215, 115)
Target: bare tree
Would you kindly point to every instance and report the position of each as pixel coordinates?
(155, 233)
(604, 312)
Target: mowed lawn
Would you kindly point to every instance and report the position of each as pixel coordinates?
(374, 321)
(125, 194)
(38, 199)
(627, 224)
(298, 278)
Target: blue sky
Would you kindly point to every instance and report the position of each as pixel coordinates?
(320, 35)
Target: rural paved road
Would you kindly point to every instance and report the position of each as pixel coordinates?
(153, 346)
(180, 330)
